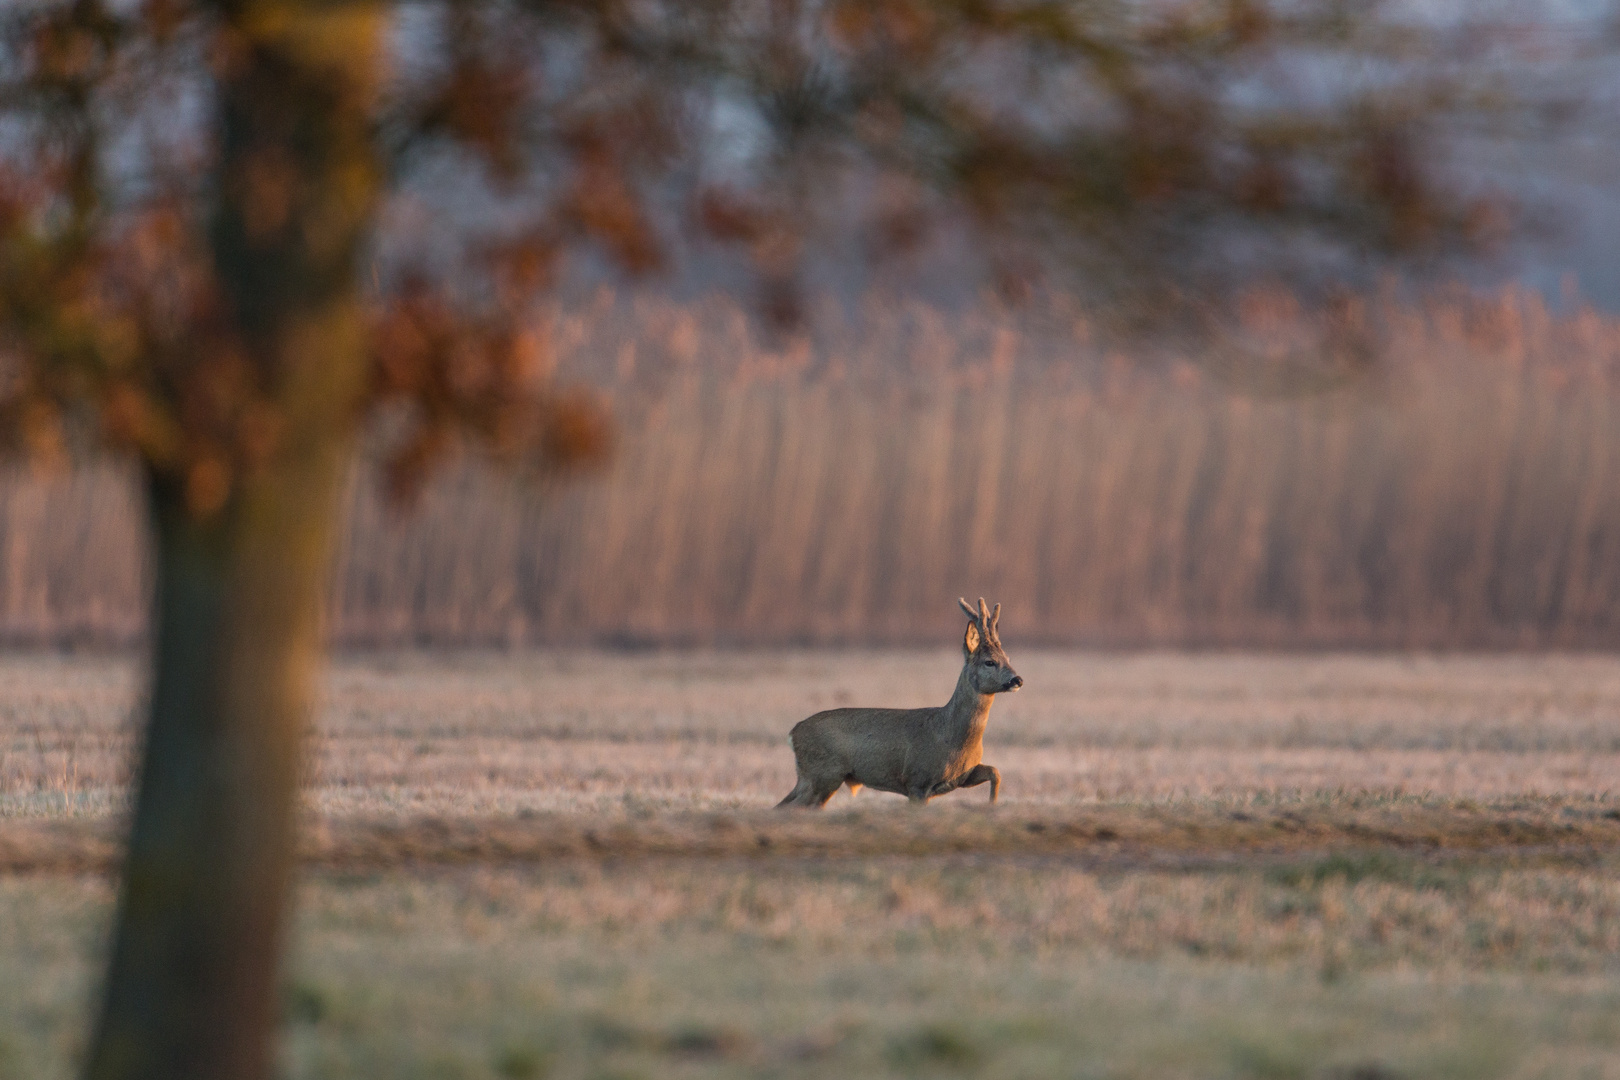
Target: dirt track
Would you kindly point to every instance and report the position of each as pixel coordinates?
(1105, 835)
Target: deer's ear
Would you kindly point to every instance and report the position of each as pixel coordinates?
(970, 643)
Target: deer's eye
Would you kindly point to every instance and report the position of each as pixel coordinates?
(989, 662)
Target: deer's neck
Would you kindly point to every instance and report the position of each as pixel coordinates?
(963, 718)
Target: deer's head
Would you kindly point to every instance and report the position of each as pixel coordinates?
(988, 669)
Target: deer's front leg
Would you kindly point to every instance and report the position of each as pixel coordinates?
(981, 774)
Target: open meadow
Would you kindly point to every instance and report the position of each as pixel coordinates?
(566, 864)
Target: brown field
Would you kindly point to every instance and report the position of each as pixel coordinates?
(1214, 866)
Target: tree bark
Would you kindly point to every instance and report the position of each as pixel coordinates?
(191, 992)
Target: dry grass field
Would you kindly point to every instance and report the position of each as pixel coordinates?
(564, 864)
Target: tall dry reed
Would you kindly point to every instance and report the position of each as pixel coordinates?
(1463, 490)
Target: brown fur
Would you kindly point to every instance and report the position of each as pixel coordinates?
(918, 753)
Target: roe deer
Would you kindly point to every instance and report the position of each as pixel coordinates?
(918, 753)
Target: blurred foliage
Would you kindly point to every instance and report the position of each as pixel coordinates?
(1155, 148)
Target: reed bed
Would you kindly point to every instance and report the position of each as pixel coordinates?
(1460, 488)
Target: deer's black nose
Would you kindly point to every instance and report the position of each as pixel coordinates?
(1018, 680)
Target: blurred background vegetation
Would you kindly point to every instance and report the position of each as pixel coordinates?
(1463, 491)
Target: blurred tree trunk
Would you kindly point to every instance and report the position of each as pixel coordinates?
(191, 989)
(242, 561)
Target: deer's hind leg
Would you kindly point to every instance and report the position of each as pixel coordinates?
(796, 797)
(811, 791)
(983, 774)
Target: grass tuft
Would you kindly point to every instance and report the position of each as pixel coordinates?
(934, 1046)
(305, 1003)
(522, 1063)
